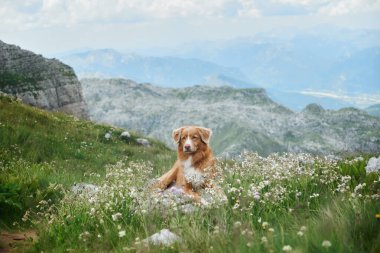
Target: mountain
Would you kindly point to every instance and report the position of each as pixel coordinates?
(296, 67)
(45, 83)
(373, 110)
(165, 71)
(301, 60)
(242, 119)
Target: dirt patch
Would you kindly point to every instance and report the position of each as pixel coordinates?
(11, 241)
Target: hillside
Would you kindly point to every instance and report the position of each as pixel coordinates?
(242, 119)
(283, 201)
(45, 83)
(39, 148)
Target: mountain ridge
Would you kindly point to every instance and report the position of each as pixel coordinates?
(242, 119)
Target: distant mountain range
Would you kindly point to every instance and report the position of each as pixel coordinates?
(242, 119)
(164, 71)
(296, 68)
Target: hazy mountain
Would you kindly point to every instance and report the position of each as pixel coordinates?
(299, 68)
(299, 60)
(165, 71)
(296, 67)
(242, 119)
(373, 110)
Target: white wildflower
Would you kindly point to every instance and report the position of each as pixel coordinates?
(122, 233)
(264, 240)
(237, 224)
(116, 216)
(265, 225)
(359, 187)
(287, 248)
(326, 244)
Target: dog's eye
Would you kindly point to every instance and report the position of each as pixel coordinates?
(195, 137)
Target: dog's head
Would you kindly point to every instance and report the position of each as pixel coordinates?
(190, 139)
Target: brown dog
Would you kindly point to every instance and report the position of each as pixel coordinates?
(194, 158)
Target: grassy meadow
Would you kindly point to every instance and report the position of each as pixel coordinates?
(279, 203)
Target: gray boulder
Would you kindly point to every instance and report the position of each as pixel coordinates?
(125, 135)
(373, 165)
(143, 142)
(174, 199)
(108, 136)
(165, 237)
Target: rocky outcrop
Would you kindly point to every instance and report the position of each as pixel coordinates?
(373, 165)
(45, 83)
(241, 119)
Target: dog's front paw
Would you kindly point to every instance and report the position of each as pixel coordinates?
(155, 184)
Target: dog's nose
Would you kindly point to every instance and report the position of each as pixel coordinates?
(187, 146)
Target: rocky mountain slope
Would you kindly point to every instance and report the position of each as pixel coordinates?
(242, 119)
(45, 83)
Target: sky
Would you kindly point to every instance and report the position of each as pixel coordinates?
(51, 27)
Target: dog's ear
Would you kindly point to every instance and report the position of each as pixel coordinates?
(205, 134)
(177, 134)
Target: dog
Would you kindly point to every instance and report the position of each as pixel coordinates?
(195, 162)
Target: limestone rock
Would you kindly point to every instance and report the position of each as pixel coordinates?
(108, 136)
(45, 83)
(125, 135)
(143, 142)
(373, 165)
(165, 237)
(173, 199)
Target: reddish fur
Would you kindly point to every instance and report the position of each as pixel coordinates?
(202, 157)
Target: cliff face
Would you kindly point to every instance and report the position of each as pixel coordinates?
(41, 82)
(241, 119)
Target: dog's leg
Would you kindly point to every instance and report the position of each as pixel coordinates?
(168, 177)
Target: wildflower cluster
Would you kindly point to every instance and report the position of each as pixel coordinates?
(286, 179)
(246, 199)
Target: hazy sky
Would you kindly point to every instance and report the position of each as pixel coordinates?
(53, 26)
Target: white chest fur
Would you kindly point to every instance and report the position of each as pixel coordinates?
(196, 178)
(188, 164)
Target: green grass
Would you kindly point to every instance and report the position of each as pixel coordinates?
(274, 202)
(38, 148)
